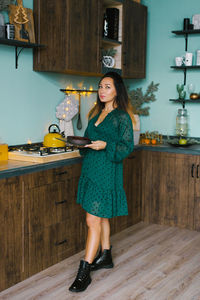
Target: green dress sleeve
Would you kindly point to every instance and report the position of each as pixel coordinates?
(117, 151)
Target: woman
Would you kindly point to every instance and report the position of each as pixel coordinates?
(100, 190)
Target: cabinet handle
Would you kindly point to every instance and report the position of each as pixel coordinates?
(61, 202)
(60, 243)
(61, 173)
(192, 171)
(131, 157)
(197, 171)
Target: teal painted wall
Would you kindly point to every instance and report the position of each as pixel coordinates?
(162, 47)
(28, 99)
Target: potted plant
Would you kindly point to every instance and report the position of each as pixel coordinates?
(108, 57)
(138, 99)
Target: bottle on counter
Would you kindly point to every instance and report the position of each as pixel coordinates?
(3, 151)
(182, 123)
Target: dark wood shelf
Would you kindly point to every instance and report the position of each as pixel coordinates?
(111, 42)
(183, 32)
(185, 100)
(185, 67)
(19, 44)
(113, 2)
(106, 69)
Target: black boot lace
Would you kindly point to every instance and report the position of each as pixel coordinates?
(82, 273)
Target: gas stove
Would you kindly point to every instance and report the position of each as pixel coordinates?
(35, 152)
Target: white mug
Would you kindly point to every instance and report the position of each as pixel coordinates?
(188, 59)
(198, 57)
(179, 61)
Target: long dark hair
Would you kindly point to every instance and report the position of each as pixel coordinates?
(121, 101)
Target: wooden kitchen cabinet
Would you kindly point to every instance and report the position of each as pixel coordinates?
(70, 29)
(55, 224)
(134, 40)
(132, 185)
(74, 39)
(170, 189)
(195, 181)
(41, 224)
(12, 243)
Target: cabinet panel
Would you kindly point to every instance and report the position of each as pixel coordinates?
(132, 187)
(54, 202)
(55, 243)
(168, 192)
(50, 176)
(12, 247)
(84, 30)
(134, 40)
(72, 37)
(195, 174)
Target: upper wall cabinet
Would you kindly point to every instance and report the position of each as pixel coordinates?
(72, 32)
(134, 40)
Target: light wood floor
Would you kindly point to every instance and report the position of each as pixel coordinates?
(152, 262)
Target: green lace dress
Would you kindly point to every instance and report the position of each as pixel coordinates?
(100, 189)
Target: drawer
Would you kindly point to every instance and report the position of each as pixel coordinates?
(47, 177)
(51, 204)
(55, 243)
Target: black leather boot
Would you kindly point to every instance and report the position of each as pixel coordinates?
(83, 278)
(102, 261)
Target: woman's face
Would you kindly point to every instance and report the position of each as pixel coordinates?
(107, 91)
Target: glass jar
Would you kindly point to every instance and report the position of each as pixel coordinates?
(182, 122)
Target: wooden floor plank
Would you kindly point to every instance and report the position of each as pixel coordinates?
(152, 262)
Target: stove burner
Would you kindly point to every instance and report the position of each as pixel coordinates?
(57, 150)
(31, 147)
(37, 148)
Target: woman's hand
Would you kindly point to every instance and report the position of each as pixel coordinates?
(97, 145)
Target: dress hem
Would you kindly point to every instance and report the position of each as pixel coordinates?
(118, 215)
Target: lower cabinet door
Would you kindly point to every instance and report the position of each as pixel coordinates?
(55, 243)
(12, 246)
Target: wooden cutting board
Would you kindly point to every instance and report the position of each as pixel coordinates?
(22, 18)
(42, 159)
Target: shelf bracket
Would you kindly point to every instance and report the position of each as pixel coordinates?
(17, 53)
(186, 41)
(185, 71)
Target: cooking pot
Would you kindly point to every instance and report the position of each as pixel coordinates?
(50, 139)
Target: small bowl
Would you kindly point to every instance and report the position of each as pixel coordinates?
(194, 96)
(78, 141)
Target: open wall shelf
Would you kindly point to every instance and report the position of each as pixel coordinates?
(19, 44)
(184, 101)
(185, 68)
(186, 33)
(183, 32)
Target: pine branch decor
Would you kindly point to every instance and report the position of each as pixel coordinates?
(109, 52)
(138, 98)
(4, 4)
